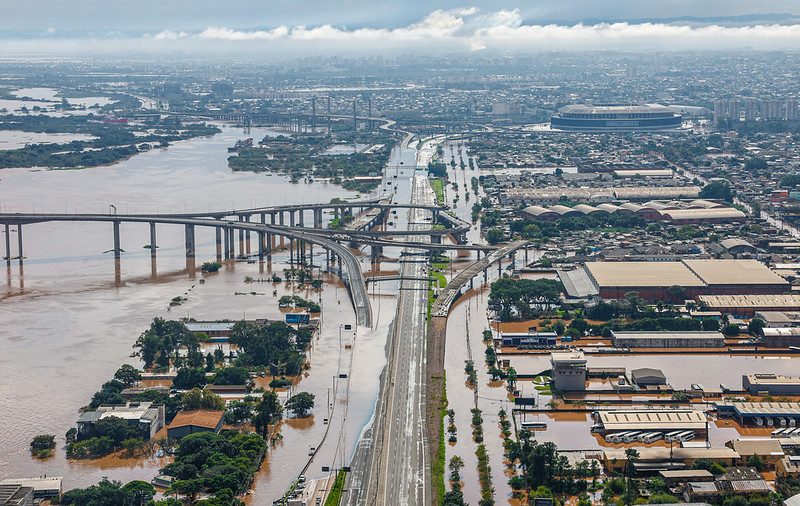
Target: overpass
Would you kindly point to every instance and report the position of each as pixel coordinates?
(352, 275)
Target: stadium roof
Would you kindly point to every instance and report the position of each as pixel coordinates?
(614, 109)
(740, 272)
(642, 274)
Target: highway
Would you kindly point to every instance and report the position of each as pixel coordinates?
(391, 462)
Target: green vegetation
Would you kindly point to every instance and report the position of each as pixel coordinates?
(301, 156)
(517, 295)
(210, 267)
(221, 464)
(717, 190)
(301, 404)
(275, 345)
(485, 476)
(202, 399)
(437, 169)
(43, 445)
(335, 495)
(114, 142)
(297, 301)
(110, 493)
(541, 229)
(437, 466)
(438, 189)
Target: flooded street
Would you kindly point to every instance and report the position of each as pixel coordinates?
(68, 324)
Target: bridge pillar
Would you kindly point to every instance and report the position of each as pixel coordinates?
(8, 245)
(280, 215)
(291, 218)
(269, 244)
(117, 249)
(436, 216)
(153, 245)
(291, 252)
(300, 217)
(247, 236)
(317, 218)
(436, 239)
(261, 246)
(336, 213)
(263, 218)
(189, 241)
(218, 233)
(311, 255)
(485, 276)
(241, 239)
(230, 243)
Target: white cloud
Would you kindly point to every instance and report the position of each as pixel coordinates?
(170, 35)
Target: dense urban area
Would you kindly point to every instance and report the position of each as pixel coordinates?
(555, 279)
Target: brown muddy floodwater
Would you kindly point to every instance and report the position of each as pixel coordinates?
(68, 322)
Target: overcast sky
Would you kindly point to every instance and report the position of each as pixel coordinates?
(246, 25)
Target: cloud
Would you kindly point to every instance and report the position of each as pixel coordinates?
(468, 28)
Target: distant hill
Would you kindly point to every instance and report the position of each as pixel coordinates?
(743, 20)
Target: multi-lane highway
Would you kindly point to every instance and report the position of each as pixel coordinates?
(391, 463)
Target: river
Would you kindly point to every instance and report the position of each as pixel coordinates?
(69, 323)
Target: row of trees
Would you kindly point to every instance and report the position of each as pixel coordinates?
(517, 295)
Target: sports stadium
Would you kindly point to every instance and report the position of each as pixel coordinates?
(615, 118)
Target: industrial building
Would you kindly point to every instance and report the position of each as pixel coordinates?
(145, 416)
(569, 370)
(528, 340)
(198, 420)
(659, 459)
(649, 420)
(613, 280)
(655, 339)
(769, 449)
(647, 376)
(677, 213)
(42, 487)
(779, 319)
(615, 118)
(747, 305)
(781, 337)
(761, 414)
(773, 384)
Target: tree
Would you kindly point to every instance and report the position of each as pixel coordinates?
(238, 411)
(719, 190)
(43, 442)
(494, 236)
(138, 493)
(301, 404)
(267, 411)
(757, 462)
(755, 326)
(128, 375)
(676, 293)
(72, 435)
(202, 399)
(188, 488)
(710, 324)
(516, 483)
(634, 302)
(190, 377)
(511, 377)
(232, 376)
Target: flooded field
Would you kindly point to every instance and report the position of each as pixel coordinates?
(69, 322)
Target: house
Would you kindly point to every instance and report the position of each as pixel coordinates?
(145, 416)
(198, 420)
(768, 449)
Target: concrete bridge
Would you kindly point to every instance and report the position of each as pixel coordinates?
(351, 275)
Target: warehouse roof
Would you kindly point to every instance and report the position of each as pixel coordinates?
(728, 213)
(538, 211)
(692, 334)
(788, 301)
(663, 419)
(740, 272)
(632, 274)
(772, 379)
(767, 408)
(760, 446)
(198, 418)
(661, 453)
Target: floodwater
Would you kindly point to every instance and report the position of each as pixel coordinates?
(15, 139)
(70, 319)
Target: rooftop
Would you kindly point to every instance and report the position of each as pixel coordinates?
(760, 446)
(198, 418)
(772, 379)
(567, 356)
(787, 301)
(630, 274)
(663, 453)
(740, 272)
(692, 335)
(665, 419)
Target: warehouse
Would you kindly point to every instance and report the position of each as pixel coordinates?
(528, 340)
(747, 305)
(614, 279)
(779, 319)
(698, 278)
(698, 216)
(647, 376)
(781, 337)
(615, 459)
(727, 277)
(761, 414)
(649, 420)
(773, 384)
(694, 339)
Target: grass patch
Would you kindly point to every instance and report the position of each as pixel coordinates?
(438, 189)
(437, 466)
(440, 279)
(335, 495)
